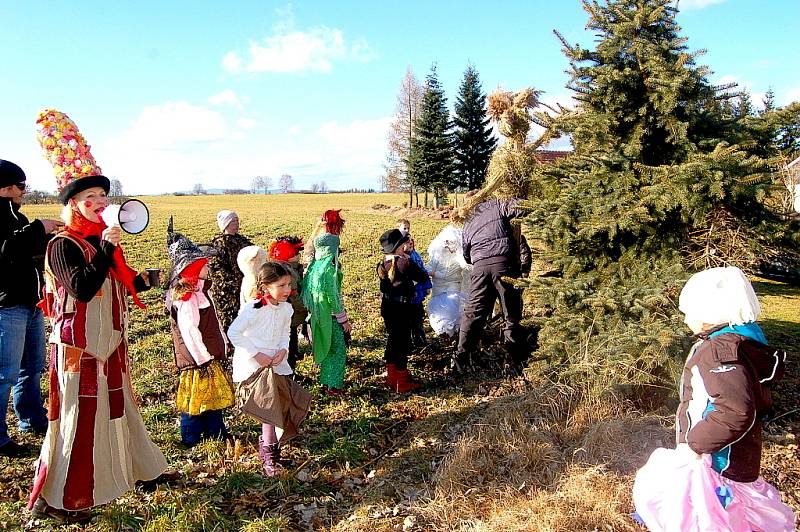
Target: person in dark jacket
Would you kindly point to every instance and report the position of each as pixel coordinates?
(490, 245)
(22, 342)
(398, 276)
(725, 394)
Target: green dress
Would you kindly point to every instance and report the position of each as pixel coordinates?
(322, 295)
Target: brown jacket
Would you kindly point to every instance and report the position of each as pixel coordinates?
(209, 327)
(725, 394)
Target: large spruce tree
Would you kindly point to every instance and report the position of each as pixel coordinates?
(474, 142)
(430, 161)
(652, 162)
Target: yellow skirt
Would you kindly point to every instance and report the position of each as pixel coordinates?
(203, 389)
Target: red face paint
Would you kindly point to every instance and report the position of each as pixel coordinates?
(88, 204)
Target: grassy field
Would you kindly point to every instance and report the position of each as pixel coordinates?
(484, 454)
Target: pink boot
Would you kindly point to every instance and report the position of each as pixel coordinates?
(271, 458)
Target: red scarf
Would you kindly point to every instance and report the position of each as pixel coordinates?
(81, 227)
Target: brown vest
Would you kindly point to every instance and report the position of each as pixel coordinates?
(213, 338)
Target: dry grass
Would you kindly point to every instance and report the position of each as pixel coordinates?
(544, 460)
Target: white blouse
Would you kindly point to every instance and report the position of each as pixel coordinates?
(264, 330)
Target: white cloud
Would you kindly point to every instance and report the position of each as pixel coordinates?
(294, 130)
(227, 97)
(315, 49)
(172, 146)
(173, 124)
(689, 5)
(792, 95)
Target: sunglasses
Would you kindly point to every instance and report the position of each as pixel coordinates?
(21, 185)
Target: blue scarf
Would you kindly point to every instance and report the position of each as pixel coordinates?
(750, 330)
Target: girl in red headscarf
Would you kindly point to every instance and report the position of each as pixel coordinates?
(204, 387)
(286, 249)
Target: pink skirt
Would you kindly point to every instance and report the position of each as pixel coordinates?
(674, 492)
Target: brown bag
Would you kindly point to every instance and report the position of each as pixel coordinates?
(274, 399)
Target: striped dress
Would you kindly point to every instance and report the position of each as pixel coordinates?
(96, 446)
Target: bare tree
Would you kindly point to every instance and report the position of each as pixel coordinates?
(256, 184)
(286, 183)
(401, 130)
(314, 188)
(266, 183)
(116, 188)
(323, 187)
(198, 189)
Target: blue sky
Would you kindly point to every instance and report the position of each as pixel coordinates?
(170, 94)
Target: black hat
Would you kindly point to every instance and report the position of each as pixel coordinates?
(10, 174)
(84, 183)
(392, 239)
(182, 251)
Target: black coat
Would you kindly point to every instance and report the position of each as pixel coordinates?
(22, 248)
(488, 235)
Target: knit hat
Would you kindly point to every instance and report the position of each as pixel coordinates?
(10, 174)
(285, 247)
(719, 296)
(68, 152)
(392, 239)
(182, 251)
(224, 218)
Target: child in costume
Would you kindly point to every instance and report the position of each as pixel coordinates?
(421, 290)
(260, 334)
(287, 249)
(225, 276)
(250, 260)
(96, 447)
(204, 388)
(398, 276)
(448, 271)
(711, 480)
(322, 295)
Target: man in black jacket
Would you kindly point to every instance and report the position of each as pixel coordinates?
(490, 246)
(22, 342)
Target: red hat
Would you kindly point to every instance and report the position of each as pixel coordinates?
(284, 250)
(192, 271)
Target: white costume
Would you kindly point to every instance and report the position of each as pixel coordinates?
(448, 271)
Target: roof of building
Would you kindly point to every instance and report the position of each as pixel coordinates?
(550, 156)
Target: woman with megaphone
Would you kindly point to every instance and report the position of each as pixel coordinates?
(96, 446)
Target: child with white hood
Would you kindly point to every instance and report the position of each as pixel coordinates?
(250, 259)
(712, 481)
(447, 269)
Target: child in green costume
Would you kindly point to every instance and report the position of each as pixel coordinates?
(322, 295)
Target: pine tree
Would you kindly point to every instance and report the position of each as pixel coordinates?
(768, 101)
(474, 142)
(652, 161)
(430, 161)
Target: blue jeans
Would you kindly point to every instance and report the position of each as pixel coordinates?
(22, 347)
(208, 425)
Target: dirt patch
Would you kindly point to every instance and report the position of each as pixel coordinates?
(441, 213)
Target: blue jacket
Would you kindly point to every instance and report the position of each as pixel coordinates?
(421, 288)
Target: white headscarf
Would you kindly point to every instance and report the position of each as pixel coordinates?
(249, 259)
(224, 218)
(719, 296)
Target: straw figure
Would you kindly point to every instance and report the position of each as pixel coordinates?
(511, 165)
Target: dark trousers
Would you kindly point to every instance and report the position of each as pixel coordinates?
(294, 347)
(486, 285)
(397, 319)
(418, 323)
(207, 425)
